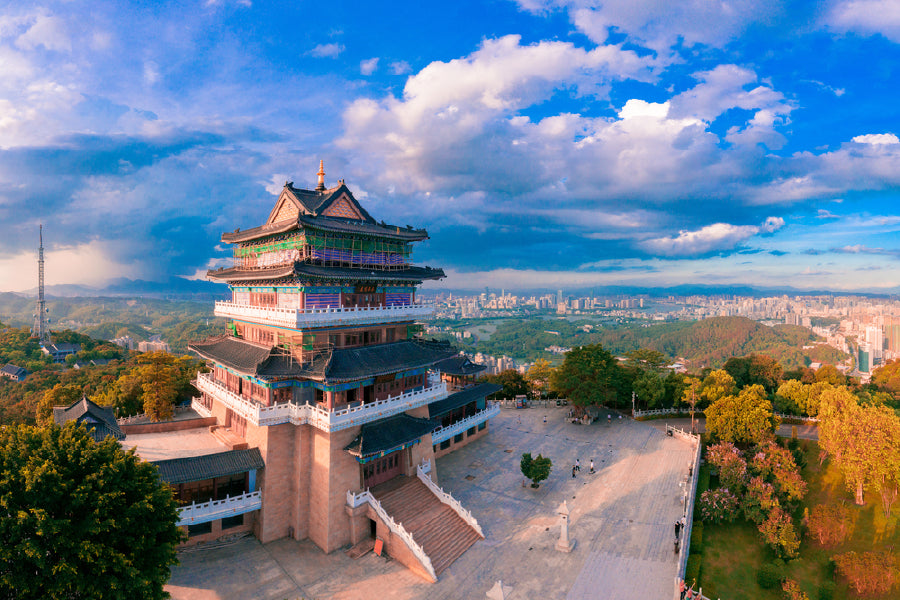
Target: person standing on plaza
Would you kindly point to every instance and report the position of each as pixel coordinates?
(577, 464)
(592, 465)
(677, 529)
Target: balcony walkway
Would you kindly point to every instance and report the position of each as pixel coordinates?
(621, 519)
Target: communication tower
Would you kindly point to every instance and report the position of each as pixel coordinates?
(41, 328)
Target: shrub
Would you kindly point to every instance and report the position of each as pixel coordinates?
(535, 469)
(692, 570)
(730, 464)
(826, 591)
(793, 591)
(779, 533)
(718, 505)
(769, 576)
(697, 538)
(830, 524)
(869, 573)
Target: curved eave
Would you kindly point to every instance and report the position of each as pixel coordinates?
(306, 271)
(363, 228)
(258, 232)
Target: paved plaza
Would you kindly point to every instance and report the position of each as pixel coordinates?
(621, 519)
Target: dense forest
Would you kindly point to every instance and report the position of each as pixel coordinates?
(179, 322)
(707, 343)
(119, 383)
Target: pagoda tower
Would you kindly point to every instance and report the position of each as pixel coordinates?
(326, 373)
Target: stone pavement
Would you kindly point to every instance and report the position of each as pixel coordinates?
(621, 519)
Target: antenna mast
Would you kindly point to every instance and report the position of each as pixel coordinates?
(41, 329)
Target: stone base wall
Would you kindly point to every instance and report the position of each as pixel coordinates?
(217, 531)
(457, 445)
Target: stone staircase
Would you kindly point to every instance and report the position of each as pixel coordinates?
(435, 526)
(231, 440)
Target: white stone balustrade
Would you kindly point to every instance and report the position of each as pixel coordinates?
(298, 318)
(447, 499)
(354, 500)
(300, 414)
(199, 408)
(445, 433)
(217, 509)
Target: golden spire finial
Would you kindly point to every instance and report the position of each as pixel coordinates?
(320, 187)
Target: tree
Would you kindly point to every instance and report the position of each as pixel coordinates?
(647, 358)
(792, 396)
(691, 396)
(830, 374)
(756, 369)
(84, 520)
(589, 375)
(780, 534)
(869, 573)
(535, 469)
(830, 524)
(538, 376)
(650, 388)
(732, 467)
(58, 395)
(776, 465)
(158, 374)
(864, 442)
(887, 378)
(513, 383)
(716, 385)
(743, 419)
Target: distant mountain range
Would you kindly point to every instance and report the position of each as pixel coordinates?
(679, 290)
(173, 287)
(186, 288)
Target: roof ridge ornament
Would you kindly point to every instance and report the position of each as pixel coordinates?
(320, 186)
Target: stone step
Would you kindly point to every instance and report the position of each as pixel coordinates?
(442, 533)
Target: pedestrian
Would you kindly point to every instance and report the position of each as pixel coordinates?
(677, 529)
(545, 418)
(592, 465)
(608, 419)
(682, 589)
(577, 464)
(573, 472)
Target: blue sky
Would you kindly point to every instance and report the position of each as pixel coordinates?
(543, 143)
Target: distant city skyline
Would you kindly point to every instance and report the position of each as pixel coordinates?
(543, 143)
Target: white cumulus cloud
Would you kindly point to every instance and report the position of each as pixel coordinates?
(877, 139)
(712, 238)
(332, 50)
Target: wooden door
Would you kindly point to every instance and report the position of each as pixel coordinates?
(382, 469)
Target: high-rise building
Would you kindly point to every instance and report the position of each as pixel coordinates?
(325, 374)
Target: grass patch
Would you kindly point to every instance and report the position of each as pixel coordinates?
(733, 553)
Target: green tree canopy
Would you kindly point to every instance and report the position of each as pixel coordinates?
(535, 469)
(82, 519)
(650, 388)
(588, 375)
(756, 369)
(513, 383)
(743, 419)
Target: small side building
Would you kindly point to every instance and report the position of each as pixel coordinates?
(13, 372)
(100, 421)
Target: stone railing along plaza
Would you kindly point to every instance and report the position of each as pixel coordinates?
(445, 433)
(300, 414)
(661, 412)
(217, 509)
(298, 318)
(690, 494)
(354, 500)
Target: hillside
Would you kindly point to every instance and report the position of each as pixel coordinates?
(710, 342)
(177, 321)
